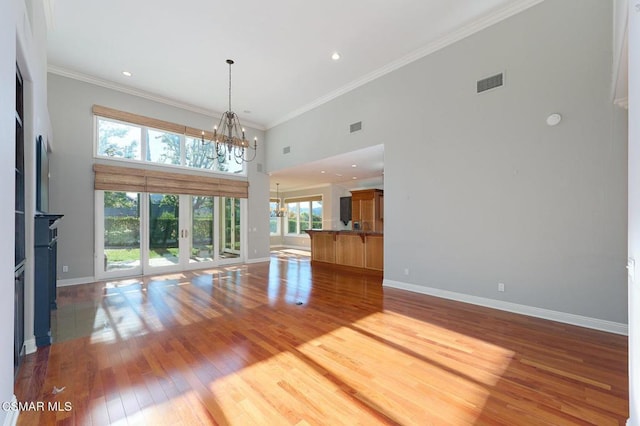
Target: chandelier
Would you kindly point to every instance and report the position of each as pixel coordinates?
(228, 135)
(278, 211)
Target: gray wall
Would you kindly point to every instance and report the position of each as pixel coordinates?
(634, 214)
(71, 184)
(478, 189)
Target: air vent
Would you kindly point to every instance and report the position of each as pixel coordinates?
(355, 126)
(490, 83)
(286, 150)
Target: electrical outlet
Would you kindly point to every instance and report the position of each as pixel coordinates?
(406, 271)
(65, 268)
(500, 286)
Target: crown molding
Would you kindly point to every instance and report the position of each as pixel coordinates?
(455, 36)
(64, 72)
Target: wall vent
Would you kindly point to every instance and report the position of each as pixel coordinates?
(286, 150)
(355, 127)
(490, 83)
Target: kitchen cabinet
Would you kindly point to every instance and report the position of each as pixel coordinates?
(366, 210)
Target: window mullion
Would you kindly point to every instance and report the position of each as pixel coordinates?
(183, 150)
(145, 144)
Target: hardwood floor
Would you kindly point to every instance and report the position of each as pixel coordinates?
(280, 343)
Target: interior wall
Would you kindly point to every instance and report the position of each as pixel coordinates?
(634, 214)
(7, 173)
(32, 61)
(71, 161)
(478, 189)
(22, 42)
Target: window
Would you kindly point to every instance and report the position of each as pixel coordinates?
(303, 214)
(127, 141)
(274, 221)
(119, 140)
(197, 155)
(163, 147)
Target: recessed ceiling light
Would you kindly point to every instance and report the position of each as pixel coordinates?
(335, 56)
(338, 174)
(322, 171)
(126, 73)
(354, 177)
(354, 165)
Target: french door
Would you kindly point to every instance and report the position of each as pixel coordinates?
(143, 233)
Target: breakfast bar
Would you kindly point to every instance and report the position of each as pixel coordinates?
(361, 251)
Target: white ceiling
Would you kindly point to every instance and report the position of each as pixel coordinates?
(367, 173)
(282, 49)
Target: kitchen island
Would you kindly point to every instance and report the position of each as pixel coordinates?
(361, 251)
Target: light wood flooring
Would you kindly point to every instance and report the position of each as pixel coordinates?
(285, 344)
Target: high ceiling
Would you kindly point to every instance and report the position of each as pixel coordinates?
(176, 51)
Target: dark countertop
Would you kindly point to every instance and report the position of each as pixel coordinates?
(343, 231)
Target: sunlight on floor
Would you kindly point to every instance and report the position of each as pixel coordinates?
(377, 360)
(284, 389)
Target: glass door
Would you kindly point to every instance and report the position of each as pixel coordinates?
(164, 234)
(229, 228)
(199, 232)
(142, 233)
(118, 237)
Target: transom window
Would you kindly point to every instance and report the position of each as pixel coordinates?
(126, 141)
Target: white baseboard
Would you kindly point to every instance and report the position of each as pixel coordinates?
(259, 260)
(579, 320)
(76, 281)
(12, 415)
(30, 346)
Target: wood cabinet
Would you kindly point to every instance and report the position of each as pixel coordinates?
(374, 252)
(323, 247)
(366, 210)
(359, 251)
(350, 250)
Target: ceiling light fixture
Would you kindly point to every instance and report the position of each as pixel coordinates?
(335, 56)
(126, 73)
(230, 139)
(278, 211)
(554, 119)
(354, 165)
